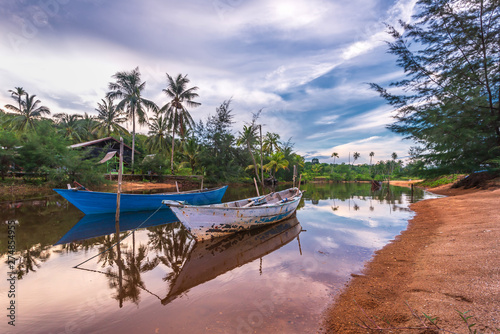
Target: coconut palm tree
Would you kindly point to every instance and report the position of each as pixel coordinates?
(28, 113)
(88, 126)
(248, 137)
(109, 118)
(355, 156)
(271, 143)
(334, 155)
(157, 135)
(17, 94)
(371, 156)
(316, 168)
(191, 152)
(394, 156)
(69, 126)
(128, 88)
(277, 162)
(3, 119)
(179, 118)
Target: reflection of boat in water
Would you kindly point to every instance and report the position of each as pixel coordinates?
(376, 185)
(91, 226)
(211, 258)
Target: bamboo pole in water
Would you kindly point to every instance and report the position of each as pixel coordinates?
(256, 186)
(117, 225)
(119, 190)
(294, 175)
(261, 162)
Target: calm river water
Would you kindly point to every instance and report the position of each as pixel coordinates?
(66, 274)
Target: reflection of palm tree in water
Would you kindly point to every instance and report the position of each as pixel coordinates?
(172, 245)
(158, 237)
(178, 244)
(110, 256)
(130, 267)
(30, 260)
(130, 264)
(334, 207)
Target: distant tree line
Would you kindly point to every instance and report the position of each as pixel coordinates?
(379, 171)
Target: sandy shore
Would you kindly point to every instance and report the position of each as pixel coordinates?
(448, 260)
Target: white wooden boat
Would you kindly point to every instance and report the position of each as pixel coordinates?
(216, 220)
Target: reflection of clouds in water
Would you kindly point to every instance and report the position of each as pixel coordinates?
(370, 213)
(366, 239)
(372, 239)
(336, 224)
(326, 242)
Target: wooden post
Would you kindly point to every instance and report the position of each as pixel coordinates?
(176, 186)
(298, 239)
(300, 179)
(119, 189)
(294, 175)
(256, 186)
(261, 162)
(201, 183)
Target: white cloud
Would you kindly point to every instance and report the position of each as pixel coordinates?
(375, 34)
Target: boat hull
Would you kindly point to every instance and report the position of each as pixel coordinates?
(94, 202)
(212, 258)
(207, 222)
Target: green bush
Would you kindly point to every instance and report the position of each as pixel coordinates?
(439, 181)
(156, 164)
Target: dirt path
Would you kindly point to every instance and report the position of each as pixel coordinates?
(447, 260)
(133, 186)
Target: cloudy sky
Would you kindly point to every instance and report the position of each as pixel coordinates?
(305, 63)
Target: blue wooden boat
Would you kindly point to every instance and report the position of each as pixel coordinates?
(95, 202)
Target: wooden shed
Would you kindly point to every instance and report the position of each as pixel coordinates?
(110, 146)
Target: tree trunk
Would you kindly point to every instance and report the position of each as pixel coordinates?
(172, 155)
(254, 162)
(133, 138)
(261, 157)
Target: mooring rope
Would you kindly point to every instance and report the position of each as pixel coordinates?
(125, 279)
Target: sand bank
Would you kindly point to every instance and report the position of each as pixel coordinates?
(447, 260)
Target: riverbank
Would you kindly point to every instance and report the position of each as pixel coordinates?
(18, 191)
(446, 261)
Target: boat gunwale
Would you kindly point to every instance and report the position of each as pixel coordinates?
(221, 206)
(193, 191)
